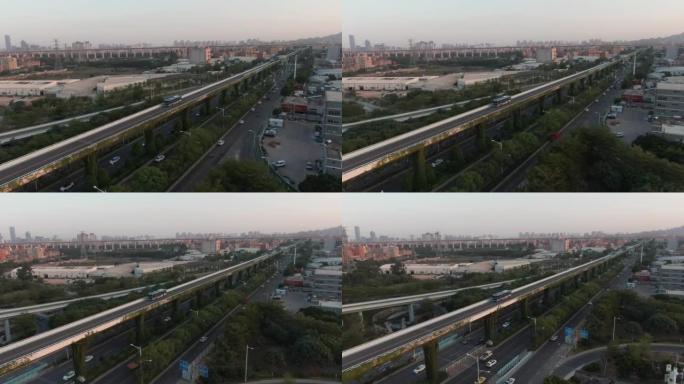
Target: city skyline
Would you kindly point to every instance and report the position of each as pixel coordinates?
(165, 215)
(505, 22)
(157, 22)
(401, 215)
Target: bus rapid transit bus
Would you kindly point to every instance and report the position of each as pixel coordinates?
(501, 295)
(501, 100)
(154, 295)
(171, 100)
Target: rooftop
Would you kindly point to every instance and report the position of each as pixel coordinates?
(670, 86)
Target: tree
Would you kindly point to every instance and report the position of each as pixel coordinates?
(149, 179)
(25, 273)
(321, 183)
(241, 176)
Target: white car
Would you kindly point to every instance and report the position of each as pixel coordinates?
(167, 319)
(554, 338)
(279, 163)
(159, 158)
(203, 339)
(88, 358)
(67, 187)
(220, 143)
(491, 363)
(253, 109)
(506, 324)
(586, 109)
(259, 102)
(242, 121)
(437, 163)
(510, 380)
(114, 160)
(619, 134)
(69, 375)
(419, 369)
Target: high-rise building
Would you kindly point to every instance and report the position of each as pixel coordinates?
(546, 55)
(368, 45)
(13, 235)
(373, 237)
(352, 42)
(28, 236)
(669, 98)
(8, 43)
(357, 233)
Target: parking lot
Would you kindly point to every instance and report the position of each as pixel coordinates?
(295, 300)
(295, 144)
(632, 123)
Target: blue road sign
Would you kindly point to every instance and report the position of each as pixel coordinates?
(203, 371)
(184, 365)
(584, 334)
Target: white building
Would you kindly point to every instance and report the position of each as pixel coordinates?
(199, 56)
(113, 83)
(378, 83)
(26, 87)
(546, 55)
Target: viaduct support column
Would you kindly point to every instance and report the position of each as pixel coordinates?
(585, 276)
(8, 331)
(361, 319)
(217, 288)
(198, 298)
(78, 350)
(577, 281)
(547, 297)
(431, 366)
(411, 313)
(490, 326)
(541, 104)
(558, 96)
(176, 308)
(524, 308)
(140, 329)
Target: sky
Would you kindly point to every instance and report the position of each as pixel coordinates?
(163, 215)
(401, 215)
(503, 22)
(163, 21)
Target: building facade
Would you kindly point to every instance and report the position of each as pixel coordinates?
(669, 99)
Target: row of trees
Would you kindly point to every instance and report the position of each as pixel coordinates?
(302, 345)
(593, 159)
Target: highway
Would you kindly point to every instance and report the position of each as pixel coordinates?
(405, 300)
(33, 348)
(363, 160)
(51, 306)
(411, 337)
(20, 168)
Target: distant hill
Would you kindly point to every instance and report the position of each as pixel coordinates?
(674, 39)
(677, 231)
(330, 39)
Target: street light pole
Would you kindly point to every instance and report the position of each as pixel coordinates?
(614, 318)
(477, 364)
(247, 348)
(140, 376)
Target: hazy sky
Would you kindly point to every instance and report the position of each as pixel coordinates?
(509, 214)
(505, 21)
(165, 214)
(163, 21)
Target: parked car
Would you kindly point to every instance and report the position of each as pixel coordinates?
(419, 369)
(506, 324)
(167, 319)
(220, 143)
(279, 163)
(309, 166)
(69, 375)
(619, 134)
(510, 380)
(159, 158)
(242, 121)
(491, 363)
(88, 358)
(203, 339)
(66, 187)
(554, 338)
(114, 160)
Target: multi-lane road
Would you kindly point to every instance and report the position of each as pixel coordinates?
(43, 344)
(22, 167)
(422, 332)
(363, 160)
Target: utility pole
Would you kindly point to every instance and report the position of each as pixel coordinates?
(634, 67)
(295, 69)
(294, 257)
(247, 348)
(641, 257)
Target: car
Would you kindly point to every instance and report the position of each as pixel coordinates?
(270, 133)
(328, 141)
(253, 109)
(279, 163)
(259, 102)
(159, 158)
(197, 114)
(309, 166)
(506, 324)
(167, 319)
(88, 358)
(114, 160)
(437, 163)
(203, 339)
(491, 363)
(67, 187)
(619, 134)
(596, 101)
(554, 338)
(586, 109)
(69, 375)
(220, 143)
(510, 380)
(242, 121)
(419, 369)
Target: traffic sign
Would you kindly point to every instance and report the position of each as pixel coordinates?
(184, 365)
(203, 371)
